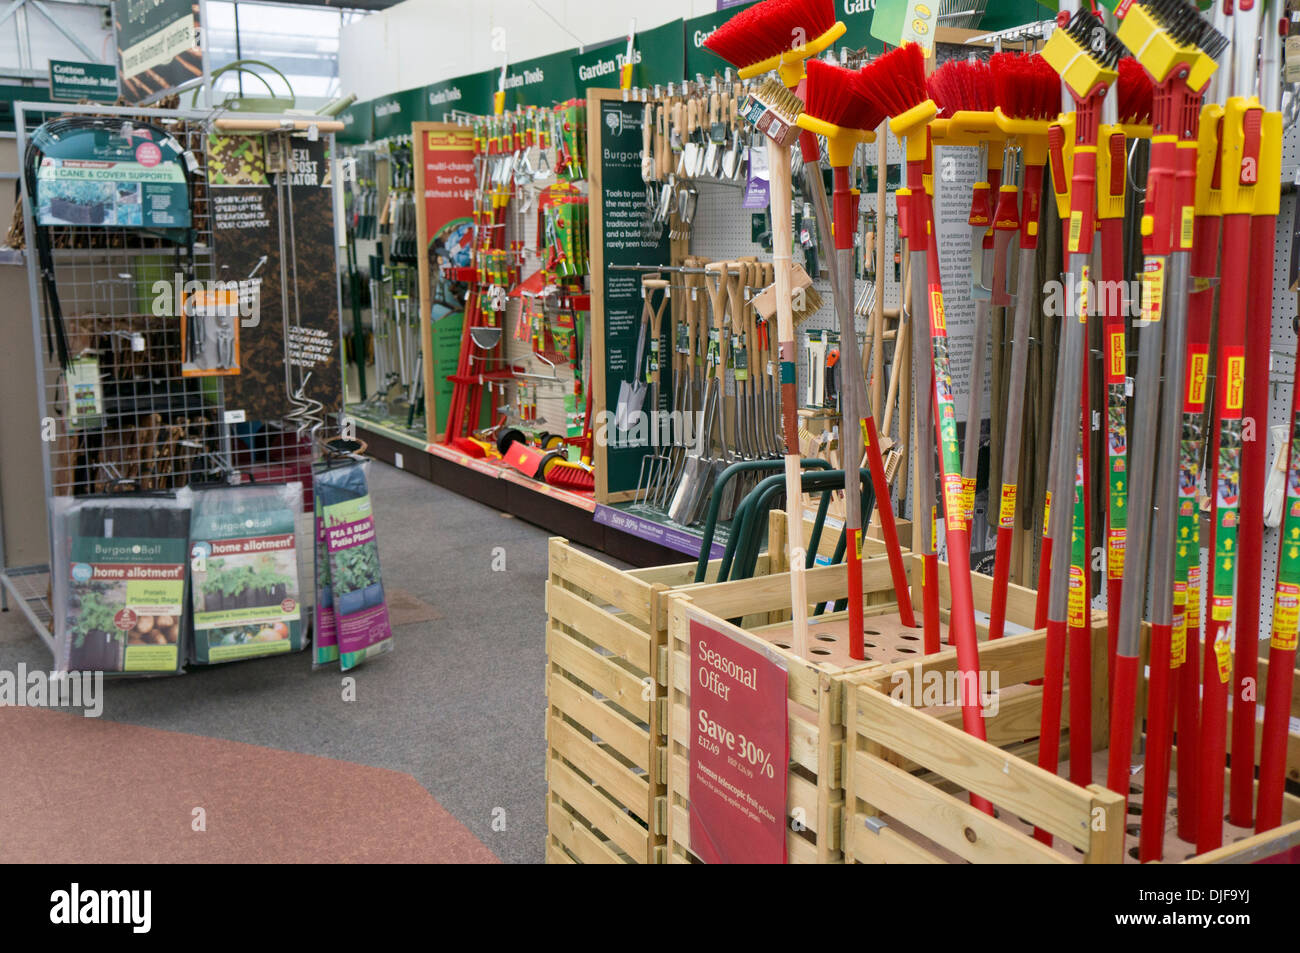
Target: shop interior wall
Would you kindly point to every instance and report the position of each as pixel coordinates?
(22, 506)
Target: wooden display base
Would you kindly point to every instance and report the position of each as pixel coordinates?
(910, 770)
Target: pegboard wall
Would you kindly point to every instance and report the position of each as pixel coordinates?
(723, 230)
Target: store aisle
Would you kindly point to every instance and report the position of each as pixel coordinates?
(458, 706)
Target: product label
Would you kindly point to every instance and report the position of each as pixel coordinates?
(1223, 659)
(954, 497)
(1153, 290)
(1286, 617)
(1287, 592)
(1117, 471)
(1007, 511)
(130, 596)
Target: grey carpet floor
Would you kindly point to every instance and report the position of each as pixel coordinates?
(459, 704)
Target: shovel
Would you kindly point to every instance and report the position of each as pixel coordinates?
(697, 473)
(631, 393)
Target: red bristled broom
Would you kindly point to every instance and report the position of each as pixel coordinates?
(1028, 95)
(835, 108)
(757, 40)
(896, 83)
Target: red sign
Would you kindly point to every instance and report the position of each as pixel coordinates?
(739, 751)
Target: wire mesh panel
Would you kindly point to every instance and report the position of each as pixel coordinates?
(122, 417)
(119, 412)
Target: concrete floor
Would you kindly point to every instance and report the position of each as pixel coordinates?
(459, 705)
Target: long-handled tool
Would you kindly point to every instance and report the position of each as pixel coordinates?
(756, 40)
(1133, 97)
(837, 109)
(1261, 149)
(1177, 48)
(1028, 94)
(963, 91)
(1282, 645)
(1085, 54)
(1187, 570)
(896, 83)
(1239, 167)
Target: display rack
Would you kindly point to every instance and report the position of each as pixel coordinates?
(157, 428)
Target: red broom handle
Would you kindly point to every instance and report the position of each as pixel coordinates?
(1282, 647)
(1160, 700)
(888, 526)
(1205, 258)
(1254, 475)
(962, 618)
(1049, 740)
(1217, 663)
(1032, 196)
(1081, 583)
(1115, 362)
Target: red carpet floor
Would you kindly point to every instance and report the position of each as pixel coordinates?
(84, 790)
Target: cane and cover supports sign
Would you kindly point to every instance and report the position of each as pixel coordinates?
(740, 749)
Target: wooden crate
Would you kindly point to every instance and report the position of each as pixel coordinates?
(606, 688)
(815, 695)
(605, 731)
(909, 771)
(816, 685)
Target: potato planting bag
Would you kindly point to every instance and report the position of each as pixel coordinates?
(119, 582)
(360, 610)
(244, 572)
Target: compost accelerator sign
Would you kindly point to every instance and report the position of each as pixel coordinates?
(157, 46)
(71, 82)
(739, 750)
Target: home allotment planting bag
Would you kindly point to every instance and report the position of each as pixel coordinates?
(360, 612)
(244, 571)
(119, 582)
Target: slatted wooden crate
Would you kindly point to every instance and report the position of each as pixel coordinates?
(605, 732)
(606, 686)
(815, 796)
(909, 772)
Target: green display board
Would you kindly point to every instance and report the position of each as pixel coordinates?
(618, 197)
(541, 81)
(358, 124)
(394, 114)
(659, 56)
(72, 82)
(469, 94)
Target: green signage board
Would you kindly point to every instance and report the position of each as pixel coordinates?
(659, 56)
(614, 135)
(541, 81)
(394, 114)
(470, 94)
(157, 46)
(699, 61)
(27, 94)
(72, 82)
(358, 124)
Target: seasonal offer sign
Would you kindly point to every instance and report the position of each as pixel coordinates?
(739, 750)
